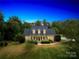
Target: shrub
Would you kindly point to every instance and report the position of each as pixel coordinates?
(47, 42)
(32, 41)
(57, 38)
(20, 38)
(50, 41)
(3, 43)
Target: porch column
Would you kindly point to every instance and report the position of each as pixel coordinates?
(35, 37)
(31, 37)
(42, 37)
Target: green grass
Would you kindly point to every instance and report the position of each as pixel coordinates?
(39, 52)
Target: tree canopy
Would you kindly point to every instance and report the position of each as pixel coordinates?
(38, 23)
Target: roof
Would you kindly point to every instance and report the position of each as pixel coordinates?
(39, 27)
(48, 31)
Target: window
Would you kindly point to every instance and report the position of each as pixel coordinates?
(39, 31)
(44, 31)
(33, 31)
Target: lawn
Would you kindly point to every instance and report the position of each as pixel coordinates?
(29, 51)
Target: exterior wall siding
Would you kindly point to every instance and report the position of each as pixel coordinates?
(50, 37)
(27, 38)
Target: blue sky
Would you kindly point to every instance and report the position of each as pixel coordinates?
(32, 10)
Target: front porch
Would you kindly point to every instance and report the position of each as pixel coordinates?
(39, 38)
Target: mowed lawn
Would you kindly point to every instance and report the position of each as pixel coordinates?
(24, 51)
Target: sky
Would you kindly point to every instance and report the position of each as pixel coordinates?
(33, 10)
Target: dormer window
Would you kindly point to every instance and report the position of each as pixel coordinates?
(39, 31)
(44, 31)
(33, 31)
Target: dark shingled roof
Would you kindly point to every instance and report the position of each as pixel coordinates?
(48, 31)
(39, 27)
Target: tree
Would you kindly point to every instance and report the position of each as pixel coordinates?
(1, 17)
(71, 29)
(14, 19)
(14, 27)
(1, 26)
(58, 27)
(44, 22)
(15, 24)
(38, 23)
(27, 25)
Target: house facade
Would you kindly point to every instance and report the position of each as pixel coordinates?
(39, 33)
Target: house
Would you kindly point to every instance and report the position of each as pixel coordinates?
(39, 33)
